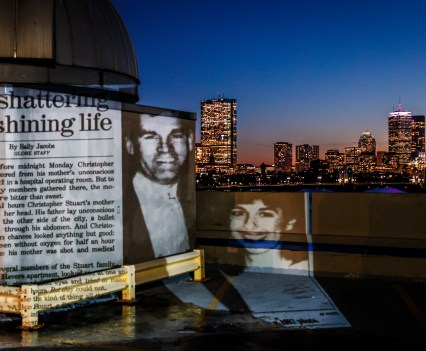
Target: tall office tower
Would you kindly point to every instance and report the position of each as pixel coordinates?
(335, 159)
(380, 158)
(283, 156)
(307, 153)
(400, 136)
(353, 157)
(367, 159)
(219, 131)
(418, 135)
(367, 142)
(202, 157)
(421, 161)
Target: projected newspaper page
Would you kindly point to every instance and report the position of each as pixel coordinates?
(60, 180)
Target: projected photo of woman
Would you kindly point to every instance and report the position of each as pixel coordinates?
(259, 226)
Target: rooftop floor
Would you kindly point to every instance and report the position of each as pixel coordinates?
(236, 310)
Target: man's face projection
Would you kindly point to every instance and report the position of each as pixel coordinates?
(163, 147)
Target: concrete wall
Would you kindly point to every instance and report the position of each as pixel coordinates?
(359, 234)
(346, 234)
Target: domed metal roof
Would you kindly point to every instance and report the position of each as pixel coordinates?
(68, 45)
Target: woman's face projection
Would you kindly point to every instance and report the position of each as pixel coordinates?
(255, 221)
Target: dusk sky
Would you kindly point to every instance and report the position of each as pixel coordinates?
(306, 72)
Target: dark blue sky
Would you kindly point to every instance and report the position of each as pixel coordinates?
(316, 71)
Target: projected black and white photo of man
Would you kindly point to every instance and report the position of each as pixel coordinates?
(157, 203)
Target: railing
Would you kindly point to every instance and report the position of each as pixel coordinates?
(29, 300)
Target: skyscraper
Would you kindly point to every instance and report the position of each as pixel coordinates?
(219, 131)
(307, 153)
(353, 157)
(367, 159)
(367, 143)
(418, 135)
(304, 155)
(335, 159)
(202, 158)
(400, 136)
(283, 156)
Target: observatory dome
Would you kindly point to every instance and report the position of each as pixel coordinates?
(67, 45)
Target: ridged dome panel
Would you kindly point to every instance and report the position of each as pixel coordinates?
(91, 46)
